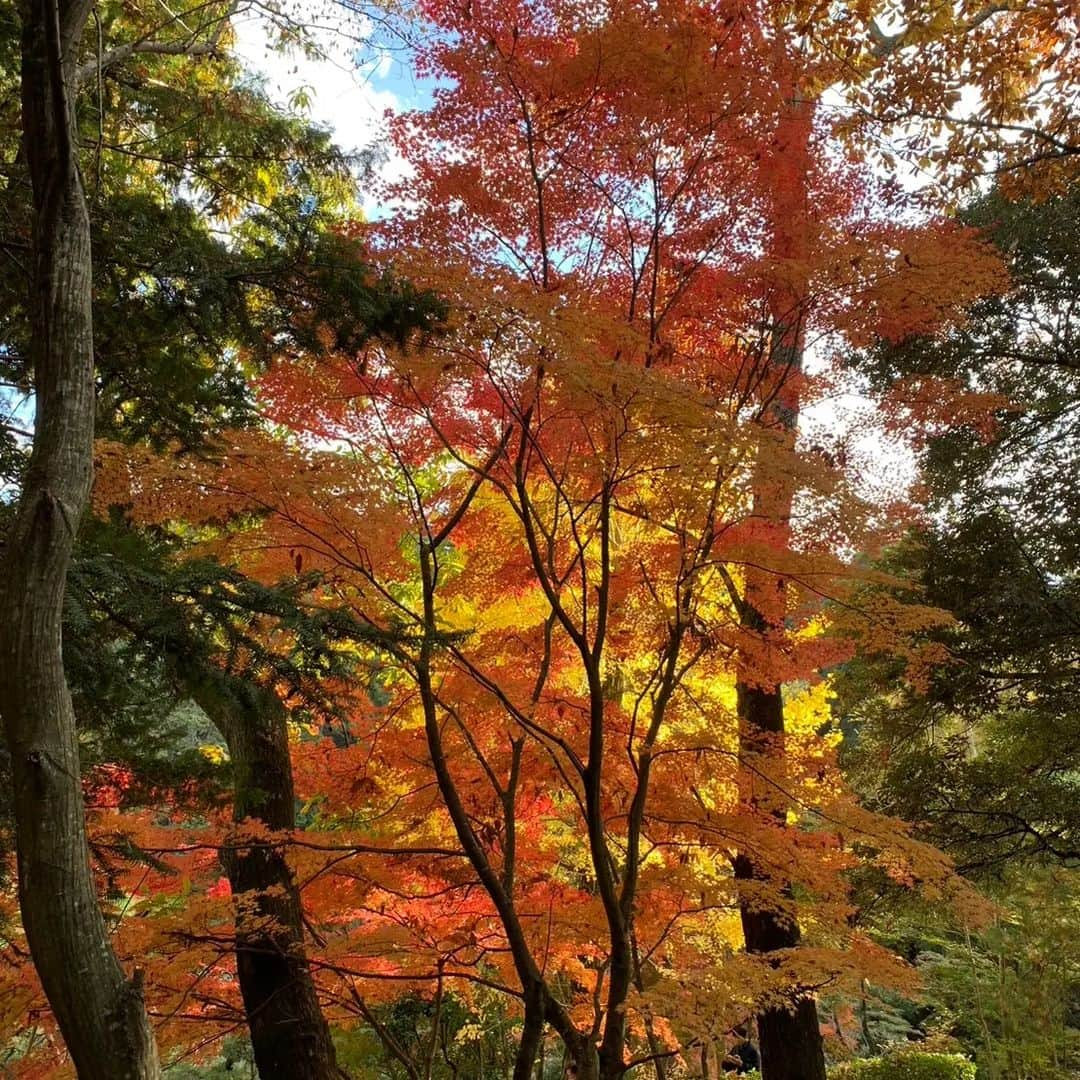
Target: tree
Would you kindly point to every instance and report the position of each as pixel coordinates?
(550, 513)
(181, 317)
(186, 630)
(101, 1013)
(789, 1032)
(986, 751)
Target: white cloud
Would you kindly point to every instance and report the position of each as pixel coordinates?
(342, 95)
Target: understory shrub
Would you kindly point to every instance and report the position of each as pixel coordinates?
(906, 1065)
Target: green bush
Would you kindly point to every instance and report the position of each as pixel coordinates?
(906, 1065)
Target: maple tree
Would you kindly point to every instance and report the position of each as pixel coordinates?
(519, 633)
(596, 464)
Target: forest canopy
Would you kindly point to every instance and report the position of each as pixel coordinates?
(582, 585)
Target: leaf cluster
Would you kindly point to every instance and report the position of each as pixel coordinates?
(987, 752)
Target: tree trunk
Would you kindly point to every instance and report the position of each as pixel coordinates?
(790, 1039)
(532, 1036)
(289, 1034)
(99, 1011)
(585, 1062)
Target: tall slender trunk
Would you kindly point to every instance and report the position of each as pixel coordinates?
(790, 1039)
(289, 1033)
(100, 1011)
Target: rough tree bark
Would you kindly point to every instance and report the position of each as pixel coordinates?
(100, 1011)
(289, 1034)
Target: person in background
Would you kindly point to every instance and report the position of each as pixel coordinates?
(743, 1056)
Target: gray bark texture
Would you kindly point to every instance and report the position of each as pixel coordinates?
(99, 1010)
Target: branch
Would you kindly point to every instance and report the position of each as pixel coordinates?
(887, 44)
(147, 46)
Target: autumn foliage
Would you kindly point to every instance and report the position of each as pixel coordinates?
(546, 523)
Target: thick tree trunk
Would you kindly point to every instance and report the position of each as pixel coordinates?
(289, 1034)
(789, 1040)
(100, 1012)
